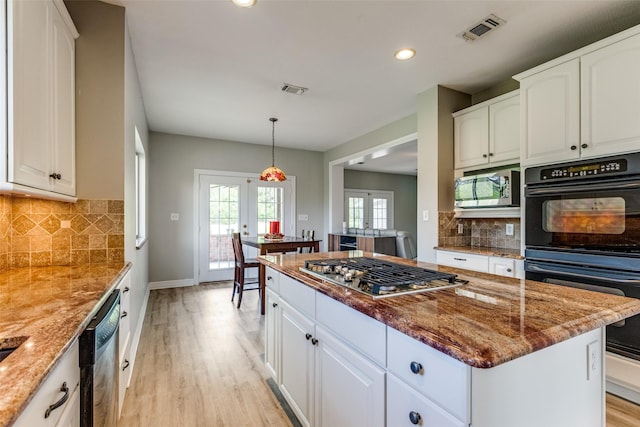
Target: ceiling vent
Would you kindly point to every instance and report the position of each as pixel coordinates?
(480, 29)
(296, 90)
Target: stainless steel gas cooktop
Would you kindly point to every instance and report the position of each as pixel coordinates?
(379, 278)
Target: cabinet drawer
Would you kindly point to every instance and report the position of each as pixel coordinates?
(299, 295)
(463, 260)
(272, 279)
(440, 378)
(360, 331)
(67, 371)
(402, 401)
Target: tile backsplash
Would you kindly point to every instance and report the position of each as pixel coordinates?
(480, 232)
(36, 232)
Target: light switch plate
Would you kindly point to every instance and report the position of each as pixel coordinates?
(593, 360)
(425, 215)
(175, 217)
(303, 217)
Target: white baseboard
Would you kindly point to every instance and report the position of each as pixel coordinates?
(138, 332)
(623, 377)
(171, 284)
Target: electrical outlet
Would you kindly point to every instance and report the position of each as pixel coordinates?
(509, 230)
(460, 228)
(303, 217)
(593, 360)
(425, 215)
(175, 217)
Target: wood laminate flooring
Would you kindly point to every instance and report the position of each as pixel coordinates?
(199, 363)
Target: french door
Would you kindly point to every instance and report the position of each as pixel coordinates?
(368, 209)
(244, 204)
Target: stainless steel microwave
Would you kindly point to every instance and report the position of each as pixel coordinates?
(489, 190)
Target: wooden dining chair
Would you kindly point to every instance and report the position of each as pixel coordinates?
(309, 235)
(240, 283)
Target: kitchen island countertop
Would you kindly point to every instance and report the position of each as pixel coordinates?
(45, 309)
(487, 322)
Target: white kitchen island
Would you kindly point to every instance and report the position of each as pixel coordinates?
(495, 352)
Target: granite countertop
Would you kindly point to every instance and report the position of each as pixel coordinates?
(500, 252)
(47, 307)
(489, 321)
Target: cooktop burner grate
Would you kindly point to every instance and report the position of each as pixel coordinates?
(379, 278)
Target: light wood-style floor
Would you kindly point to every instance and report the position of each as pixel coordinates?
(199, 364)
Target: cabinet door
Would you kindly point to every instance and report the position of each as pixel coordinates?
(297, 361)
(350, 389)
(29, 121)
(63, 120)
(272, 334)
(471, 138)
(550, 114)
(502, 266)
(611, 99)
(504, 130)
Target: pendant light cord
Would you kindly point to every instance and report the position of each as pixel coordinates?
(273, 141)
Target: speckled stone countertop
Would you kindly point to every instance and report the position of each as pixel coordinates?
(501, 252)
(489, 321)
(47, 307)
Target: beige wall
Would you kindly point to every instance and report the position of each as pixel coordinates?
(100, 77)
(435, 161)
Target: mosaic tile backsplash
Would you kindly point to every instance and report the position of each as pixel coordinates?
(37, 232)
(480, 232)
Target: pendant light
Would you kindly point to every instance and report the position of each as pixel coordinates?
(273, 173)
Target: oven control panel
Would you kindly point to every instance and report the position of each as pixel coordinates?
(585, 169)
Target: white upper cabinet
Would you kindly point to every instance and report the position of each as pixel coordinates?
(488, 134)
(40, 100)
(611, 99)
(471, 137)
(504, 130)
(584, 104)
(550, 115)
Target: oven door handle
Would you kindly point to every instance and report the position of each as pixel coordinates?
(591, 187)
(538, 269)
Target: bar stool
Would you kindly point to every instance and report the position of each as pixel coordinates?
(241, 264)
(309, 235)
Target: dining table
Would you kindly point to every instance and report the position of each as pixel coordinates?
(283, 245)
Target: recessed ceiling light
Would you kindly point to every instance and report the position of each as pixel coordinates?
(404, 54)
(244, 3)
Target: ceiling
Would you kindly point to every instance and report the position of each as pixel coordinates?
(215, 70)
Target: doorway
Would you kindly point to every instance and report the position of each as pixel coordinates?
(230, 202)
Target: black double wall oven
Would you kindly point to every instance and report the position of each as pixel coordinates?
(582, 225)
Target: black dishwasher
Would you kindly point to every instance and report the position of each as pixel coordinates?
(99, 366)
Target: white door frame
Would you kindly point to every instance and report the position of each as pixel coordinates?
(196, 208)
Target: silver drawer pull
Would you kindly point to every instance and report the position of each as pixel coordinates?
(459, 259)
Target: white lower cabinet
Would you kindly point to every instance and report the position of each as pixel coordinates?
(327, 380)
(502, 266)
(408, 407)
(272, 334)
(57, 402)
(350, 388)
(124, 340)
(298, 359)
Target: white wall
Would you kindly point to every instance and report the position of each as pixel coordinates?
(135, 117)
(173, 159)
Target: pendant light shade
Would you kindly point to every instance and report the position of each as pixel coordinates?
(273, 173)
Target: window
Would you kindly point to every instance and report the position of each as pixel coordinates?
(270, 207)
(369, 209)
(141, 191)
